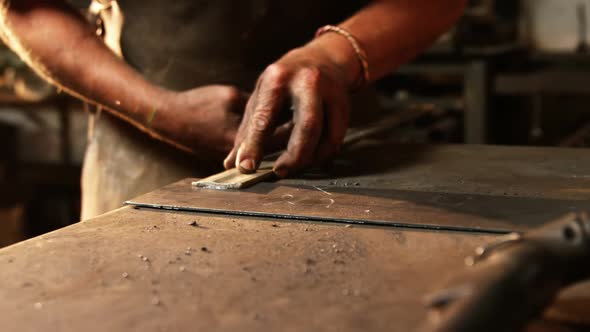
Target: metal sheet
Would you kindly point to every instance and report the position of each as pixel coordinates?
(484, 188)
(553, 173)
(414, 209)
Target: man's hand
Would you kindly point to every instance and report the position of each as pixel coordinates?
(306, 81)
(316, 78)
(205, 119)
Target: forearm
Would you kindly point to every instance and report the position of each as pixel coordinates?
(391, 32)
(59, 44)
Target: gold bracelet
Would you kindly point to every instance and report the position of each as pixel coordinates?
(364, 77)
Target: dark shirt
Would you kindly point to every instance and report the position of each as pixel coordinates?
(181, 44)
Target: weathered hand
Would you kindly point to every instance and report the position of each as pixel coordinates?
(205, 119)
(307, 82)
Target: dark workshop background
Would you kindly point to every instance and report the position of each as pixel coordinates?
(511, 72)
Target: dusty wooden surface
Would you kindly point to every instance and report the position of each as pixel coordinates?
(255, 275)
(132, 270)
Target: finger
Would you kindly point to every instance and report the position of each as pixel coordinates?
(230, 160)
(279, 138)
(306, 131)
(260, 124)
(278, 141)
(338, 117)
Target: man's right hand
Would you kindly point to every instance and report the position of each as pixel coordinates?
(204, 119)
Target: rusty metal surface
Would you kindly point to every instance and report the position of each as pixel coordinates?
(255, 275)
(472, 188)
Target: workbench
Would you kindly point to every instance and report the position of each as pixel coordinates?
(146, 267)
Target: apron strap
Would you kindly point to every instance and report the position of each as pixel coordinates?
(109, 23)
(108, 19)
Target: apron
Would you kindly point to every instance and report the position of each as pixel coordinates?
(180, 45)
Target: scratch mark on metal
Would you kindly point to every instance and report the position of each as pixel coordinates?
(285, 198)
(322, 190)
